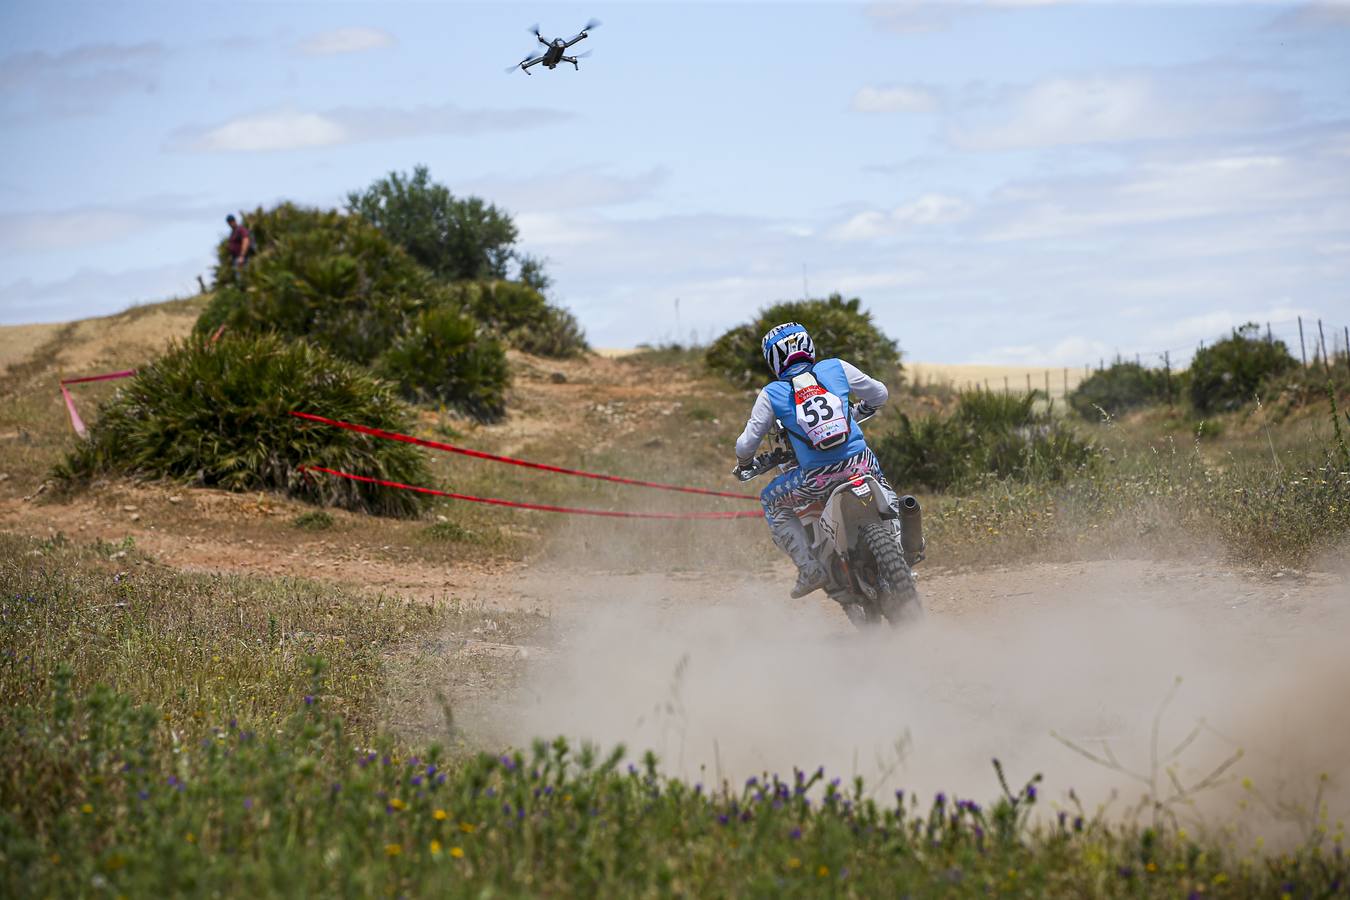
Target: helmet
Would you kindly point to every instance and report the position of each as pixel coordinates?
(785, 345)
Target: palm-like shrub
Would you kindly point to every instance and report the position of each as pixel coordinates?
(1228, 373)
(217, 415)
(444, 358)
(336, 281)
(838, 327)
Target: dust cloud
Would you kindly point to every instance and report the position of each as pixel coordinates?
(724, 679)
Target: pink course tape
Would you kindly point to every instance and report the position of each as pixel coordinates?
(75, 421)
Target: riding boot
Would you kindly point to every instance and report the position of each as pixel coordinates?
(790, 536)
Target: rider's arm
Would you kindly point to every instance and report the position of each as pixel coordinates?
(864, 387)
(761, 420)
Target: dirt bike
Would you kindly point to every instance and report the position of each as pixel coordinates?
(867, 547)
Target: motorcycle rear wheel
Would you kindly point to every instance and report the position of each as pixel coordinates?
(897, 595)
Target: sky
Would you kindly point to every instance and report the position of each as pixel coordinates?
(1002, 181)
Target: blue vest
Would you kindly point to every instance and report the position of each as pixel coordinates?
(831, 376)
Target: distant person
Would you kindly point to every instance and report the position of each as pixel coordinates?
(240, 243)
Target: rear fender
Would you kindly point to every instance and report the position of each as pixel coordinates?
(851, 506)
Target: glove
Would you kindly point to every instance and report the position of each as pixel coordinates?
(742, 466)
(863, 411)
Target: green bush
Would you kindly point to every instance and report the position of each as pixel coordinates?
(523, 318)
(1117, 389)
(456, 239)
(989, 433)
(443, 357)
(337, 281)
(217, 415)
(839, 328)
(1228, 373)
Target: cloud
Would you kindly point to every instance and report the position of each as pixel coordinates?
(38, 231)
(1315, 16)
(290, 129)
(1119, 107)
(924, 16)
(79, 81)
(894, 98)
(927, 210)
(346, 40)
(578, 188)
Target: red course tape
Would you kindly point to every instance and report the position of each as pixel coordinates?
(479, 454)
(541, 507)
(111, 376)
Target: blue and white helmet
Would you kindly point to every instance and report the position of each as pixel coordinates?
(785, 345)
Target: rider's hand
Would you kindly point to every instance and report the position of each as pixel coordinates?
(742, 466)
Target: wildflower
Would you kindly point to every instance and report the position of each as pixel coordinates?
(823, 872)
(248, 803)
(309, 699)
(393, 849)
(435, 848)
(439, 815)
(794, 863)
(190, 838)
(87, 808)
(1151, 866)
(796, 834)
(396, 803)
(467, 827)
(457, 852)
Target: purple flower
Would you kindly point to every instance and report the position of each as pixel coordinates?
(1031, 793)
(440, 779)
(1062, 816)
(508, 763)
(751, 781)
(940, 799)
(309, 699)
(899, 798)
(431, 769)
(415, 781)
(722, 819)
(698, 789)
(1125, 871)
(144, 795)
(248, 803)
(795, 834)
(1077, 823)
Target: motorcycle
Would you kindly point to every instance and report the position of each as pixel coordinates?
(867, 547)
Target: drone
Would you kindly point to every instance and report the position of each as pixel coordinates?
(554, 54)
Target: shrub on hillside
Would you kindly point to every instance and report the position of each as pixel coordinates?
(337, 281)
(838, 327)
(444, 358)
(523, 318)
(217, 415)
(998, 434)
(456, 238)
(1117, 389)
(1228, 373)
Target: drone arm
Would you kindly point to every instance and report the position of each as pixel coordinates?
(579, 37)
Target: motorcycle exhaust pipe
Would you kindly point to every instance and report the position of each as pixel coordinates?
(911, 529)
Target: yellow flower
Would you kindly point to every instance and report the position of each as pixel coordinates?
(439, 815)
(794, 863)
(435, 848)
(87, 808)
(398, 804)
(457, 852)
(393, 849)
(467, 827)
(823, 871)
(190, 838)
(1152, 866)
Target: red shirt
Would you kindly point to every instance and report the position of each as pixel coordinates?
(236, 245)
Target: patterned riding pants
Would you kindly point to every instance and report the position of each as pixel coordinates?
(800, 487)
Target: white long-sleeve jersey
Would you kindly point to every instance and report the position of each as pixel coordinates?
(860, 386)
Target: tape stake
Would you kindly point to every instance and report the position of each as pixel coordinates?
(545, 467)
(538, 507)
(75, 421)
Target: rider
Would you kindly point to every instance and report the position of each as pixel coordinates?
(811, 400)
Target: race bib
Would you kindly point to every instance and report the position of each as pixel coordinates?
(820, 415)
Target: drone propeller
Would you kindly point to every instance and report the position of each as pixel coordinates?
(534, 30)
(528, 57)
(592, 24)
(583, 55)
